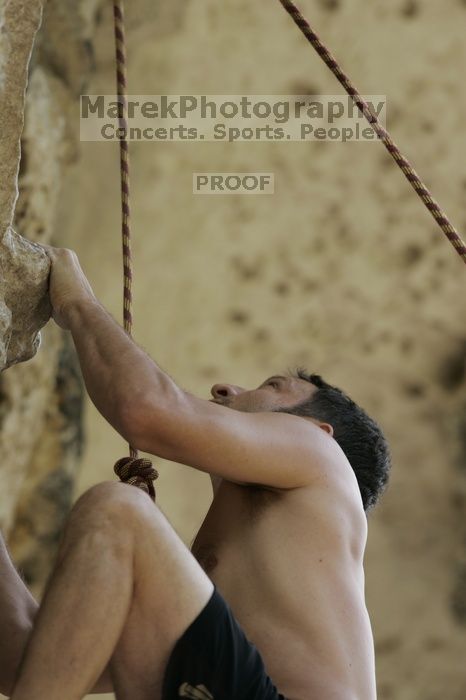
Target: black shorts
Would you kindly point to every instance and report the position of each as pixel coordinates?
(214, 660)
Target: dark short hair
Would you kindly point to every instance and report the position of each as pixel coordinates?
(359, 436)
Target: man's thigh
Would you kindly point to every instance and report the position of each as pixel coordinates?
(170, 591)
(170, 585)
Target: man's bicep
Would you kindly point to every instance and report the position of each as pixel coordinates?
(273, 449)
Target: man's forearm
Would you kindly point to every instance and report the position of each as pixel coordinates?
(117, 373)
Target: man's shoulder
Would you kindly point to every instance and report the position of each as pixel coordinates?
(334, 499)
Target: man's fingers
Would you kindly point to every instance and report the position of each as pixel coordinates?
(55, 252)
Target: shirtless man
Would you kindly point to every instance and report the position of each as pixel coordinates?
(270, 607)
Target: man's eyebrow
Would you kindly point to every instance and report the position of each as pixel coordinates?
(276, 376)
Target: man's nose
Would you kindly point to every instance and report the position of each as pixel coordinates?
(224, 391)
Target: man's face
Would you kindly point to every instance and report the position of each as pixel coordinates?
(275, 392)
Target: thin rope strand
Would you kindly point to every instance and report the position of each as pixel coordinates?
(124, 168)
(411, 175)
(133, 470)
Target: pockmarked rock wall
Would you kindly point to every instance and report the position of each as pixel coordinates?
(341, 270)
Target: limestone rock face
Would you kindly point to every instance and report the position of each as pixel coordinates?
(19, 21)
(24, 267)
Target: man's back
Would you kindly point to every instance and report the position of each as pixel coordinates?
(290, 565)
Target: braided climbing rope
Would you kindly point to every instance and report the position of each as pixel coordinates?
(133, 469)
(411, 175)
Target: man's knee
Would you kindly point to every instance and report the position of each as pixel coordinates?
(109, 504)
(111, 495)
(111, 509)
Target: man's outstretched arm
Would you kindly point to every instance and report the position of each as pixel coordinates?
(155, 415)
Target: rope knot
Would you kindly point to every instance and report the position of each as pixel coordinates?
(138, 472)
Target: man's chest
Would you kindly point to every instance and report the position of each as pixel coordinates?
(231, 523)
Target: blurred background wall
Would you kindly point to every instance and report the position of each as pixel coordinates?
(341, 270)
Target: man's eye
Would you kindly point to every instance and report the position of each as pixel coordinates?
(274, 384)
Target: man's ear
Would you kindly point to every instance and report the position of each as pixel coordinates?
(327, 427)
